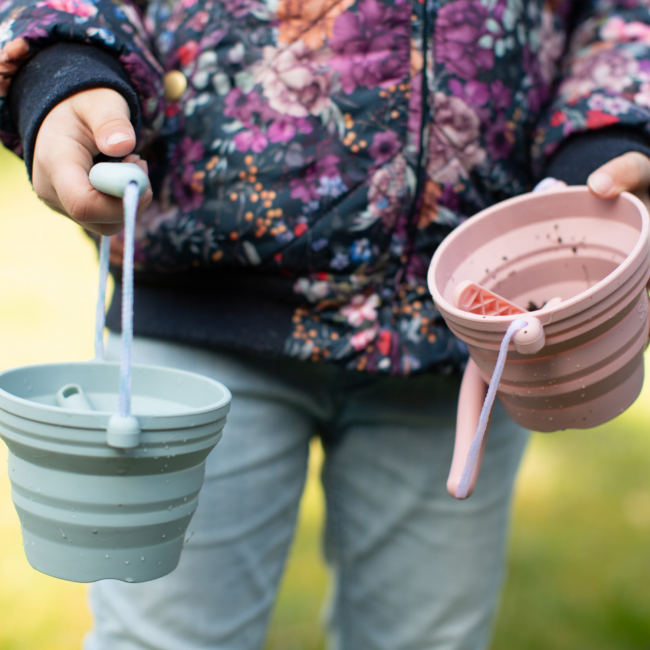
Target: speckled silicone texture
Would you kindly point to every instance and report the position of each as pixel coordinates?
(89, 511)
(591, 253)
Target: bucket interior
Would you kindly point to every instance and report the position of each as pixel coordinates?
(530, 250)
(156, 391)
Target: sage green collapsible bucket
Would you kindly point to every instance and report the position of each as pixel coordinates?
(106, 460)
(90, 511)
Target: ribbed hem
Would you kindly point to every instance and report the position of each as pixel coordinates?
(56, 73)
(224, 310)
(582, 154)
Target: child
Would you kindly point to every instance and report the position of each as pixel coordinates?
(306, 159)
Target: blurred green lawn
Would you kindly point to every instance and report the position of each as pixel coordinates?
(579, 567)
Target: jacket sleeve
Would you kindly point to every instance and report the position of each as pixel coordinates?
(583, 153)
(56, 73)
(28, 27)
(604, 80)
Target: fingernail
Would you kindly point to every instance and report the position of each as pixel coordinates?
(600, 183)
(118, 137)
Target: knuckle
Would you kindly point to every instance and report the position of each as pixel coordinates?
(78, 210)
(630, 165)
(637, 157)
(44, 159)
(641, 165)
(45, 191)
(113, 121)
(624, 171)
(145, 201)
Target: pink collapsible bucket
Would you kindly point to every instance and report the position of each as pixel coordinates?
(579, 362)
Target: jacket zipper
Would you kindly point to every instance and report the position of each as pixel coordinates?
(413, 216)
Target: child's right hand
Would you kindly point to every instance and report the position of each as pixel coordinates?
(72, 134)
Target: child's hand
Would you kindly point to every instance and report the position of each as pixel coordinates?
(74, 131)
(627, 173)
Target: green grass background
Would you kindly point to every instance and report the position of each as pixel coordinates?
(579, 563)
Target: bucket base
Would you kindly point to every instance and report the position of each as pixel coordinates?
(69, 562)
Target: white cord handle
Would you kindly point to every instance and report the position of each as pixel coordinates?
(120, 179)
(100, 315)
(472, 455)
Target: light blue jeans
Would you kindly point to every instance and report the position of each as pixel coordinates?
(412, 568)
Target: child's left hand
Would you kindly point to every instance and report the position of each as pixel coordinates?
(627, 173)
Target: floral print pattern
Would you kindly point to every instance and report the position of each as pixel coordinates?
(335, 143)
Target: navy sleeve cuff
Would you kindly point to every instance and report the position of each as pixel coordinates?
(55, 74)
(584, 153)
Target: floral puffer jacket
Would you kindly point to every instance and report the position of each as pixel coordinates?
(330, 145)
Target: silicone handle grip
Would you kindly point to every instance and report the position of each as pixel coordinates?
(123, 432)
(112, 178)
(470, 401)
(530, 339)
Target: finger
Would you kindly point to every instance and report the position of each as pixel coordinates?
(62, 158)
(116, 256)
(135, 158)
(627, 173)
(147, 195)
(107, 115)
(75, 195)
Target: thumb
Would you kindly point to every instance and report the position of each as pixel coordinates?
(106, 113)
(629, 172)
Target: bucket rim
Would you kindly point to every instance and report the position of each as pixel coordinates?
(26, 408)
(566, 307)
